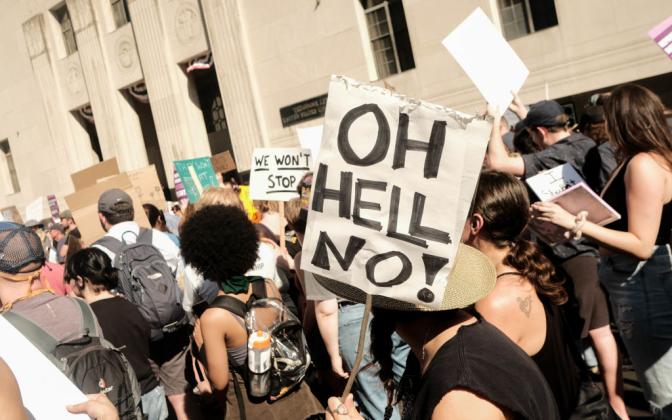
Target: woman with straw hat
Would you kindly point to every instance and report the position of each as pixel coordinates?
(461, 366)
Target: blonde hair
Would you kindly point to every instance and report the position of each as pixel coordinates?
(223, 196)
(292, 210)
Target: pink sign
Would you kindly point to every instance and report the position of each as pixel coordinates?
(662, 35)
(53, 207)
(180, 191)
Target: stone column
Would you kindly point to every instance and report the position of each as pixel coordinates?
(118, 129)
(222, 19)
(71, 147)
(177, 116)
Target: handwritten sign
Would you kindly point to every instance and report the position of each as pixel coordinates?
(53, 207)
(223, 162)
(276, 173)
(393, 186)
(147, 186)
(548, 184)
(196, 175)
(44, 389)
(662, 35)
(487, 58)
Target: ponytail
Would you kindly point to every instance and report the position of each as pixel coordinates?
(382, 328)
(533, 265)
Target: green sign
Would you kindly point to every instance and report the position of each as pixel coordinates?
(196, 175)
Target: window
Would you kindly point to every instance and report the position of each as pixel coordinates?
(4, 147)
(120, 12)
(68, 32)
(522, 17)
(390, 43)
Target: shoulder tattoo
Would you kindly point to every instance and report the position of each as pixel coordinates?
(525, 305)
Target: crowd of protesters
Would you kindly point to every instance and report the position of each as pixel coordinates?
(517, 343)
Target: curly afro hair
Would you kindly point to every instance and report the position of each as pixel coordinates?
(219, 242)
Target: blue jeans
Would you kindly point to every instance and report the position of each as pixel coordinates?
(154, 405)
(368, 389)
(640, 293)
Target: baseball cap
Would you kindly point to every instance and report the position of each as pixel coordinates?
(56, 226)
(19, 247)
(66, 214)
(543, 114)
(110, 198)
(32, 223)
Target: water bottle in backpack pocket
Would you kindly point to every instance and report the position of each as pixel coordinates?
(93, 364)
(147, 281)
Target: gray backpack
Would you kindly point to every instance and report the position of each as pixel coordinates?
(93, 364)
(147, 281)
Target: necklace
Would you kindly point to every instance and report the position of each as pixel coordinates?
(508, 273)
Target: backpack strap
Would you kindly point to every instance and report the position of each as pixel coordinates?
(231, 304)
(88, 319)
(258, 287)
(108, 242)
(44, 342)
(144, 236)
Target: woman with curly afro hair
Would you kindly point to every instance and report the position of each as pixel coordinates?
(221, 244)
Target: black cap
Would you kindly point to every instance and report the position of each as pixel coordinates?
(544, 114)
(110, 198)
(19, 247)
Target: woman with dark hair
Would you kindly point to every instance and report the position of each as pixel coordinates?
(157, 220)
(636, 265)
(525, 302)
(91, 276)
(221, 244)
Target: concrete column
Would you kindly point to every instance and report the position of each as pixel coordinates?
(222, 19)
(177, 115)
(117, 125)
(67, 142)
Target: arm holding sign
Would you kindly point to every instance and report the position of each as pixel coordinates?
(645, 186)
(497, 156)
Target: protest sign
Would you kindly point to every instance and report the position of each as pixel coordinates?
(311, 138)
(91, 175)
(35, 210)
(11, 214)
(662, 35)
(276, 172)
(393, 187)
(252, 212)
(180, 192)
(147, 186)
(53, 207)
(45, 390)
(565, 187)
(487, 58)
(84, 207)
(196, 175)
(223, 162)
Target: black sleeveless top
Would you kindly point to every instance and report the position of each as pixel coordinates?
(614, 195)
(559, 362)
(483, 360)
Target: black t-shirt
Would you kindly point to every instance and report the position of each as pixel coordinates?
(125, 327)
(484, 361)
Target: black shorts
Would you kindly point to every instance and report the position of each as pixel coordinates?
(581, 273)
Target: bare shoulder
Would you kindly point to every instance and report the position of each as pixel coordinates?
(461, 404)
(216, 318)
(646, 164)
(501, 298)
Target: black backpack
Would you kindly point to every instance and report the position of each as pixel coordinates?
(92, 363)
(147, 281)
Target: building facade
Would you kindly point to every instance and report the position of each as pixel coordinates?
(153, 81)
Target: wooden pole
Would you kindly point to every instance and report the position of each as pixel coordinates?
(363, 329)
(283, 222)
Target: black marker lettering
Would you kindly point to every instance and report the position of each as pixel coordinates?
(416, 229)
(404, 273)
(433, 148)
(321, 192)
(367, 205)
(379, 149)
(321, 256)
(392, 222)
(433, 265)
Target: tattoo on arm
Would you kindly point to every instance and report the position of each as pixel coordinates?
(525, 305)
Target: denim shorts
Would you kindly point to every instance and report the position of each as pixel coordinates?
(640, 294)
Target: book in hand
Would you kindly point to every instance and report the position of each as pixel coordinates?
(571, 193)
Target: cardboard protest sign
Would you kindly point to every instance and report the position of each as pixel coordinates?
(45, 390)
(147, 186)
(89, 176)
(662, 35)
(84, 207)
(564, 186)
(311, 138)
(53, 207)
(223, 162)
(487, 58)
(35, 210)
(196, 175)
(276, 173)
(11, 214)
(394, 183)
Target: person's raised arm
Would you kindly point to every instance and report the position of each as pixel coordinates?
(326, 314)
(497, 156)
(645, 184)
(517, 106)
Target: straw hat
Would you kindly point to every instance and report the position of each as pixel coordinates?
(472, 278)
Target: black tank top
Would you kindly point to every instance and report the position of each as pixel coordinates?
(614, 195)
(483, 360)
(559, 362)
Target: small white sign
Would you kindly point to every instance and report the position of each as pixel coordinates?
(311, 138)
(276, 173)
(35, 210)
(45, 390)
(487, 58)
(548, 184)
